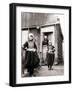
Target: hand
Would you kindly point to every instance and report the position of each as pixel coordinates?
(34, 50)
(26, 48)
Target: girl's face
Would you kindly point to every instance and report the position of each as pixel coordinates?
(50, 43)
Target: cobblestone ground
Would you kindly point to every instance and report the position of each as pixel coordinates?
(43, 71)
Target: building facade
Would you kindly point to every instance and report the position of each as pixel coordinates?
(54, 34)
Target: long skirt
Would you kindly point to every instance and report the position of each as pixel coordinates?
(50, 59)
(31, 59)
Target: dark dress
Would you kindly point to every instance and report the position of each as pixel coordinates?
(31, 58)
(50, 57)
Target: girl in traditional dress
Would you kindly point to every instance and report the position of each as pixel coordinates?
(50, 55)
(31, 56)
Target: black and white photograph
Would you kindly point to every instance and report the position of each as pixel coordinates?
(40, 44)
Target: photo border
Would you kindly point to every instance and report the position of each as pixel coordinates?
(12, 41)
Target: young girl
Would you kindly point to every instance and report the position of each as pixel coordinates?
(50, 55)
(31, 57)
